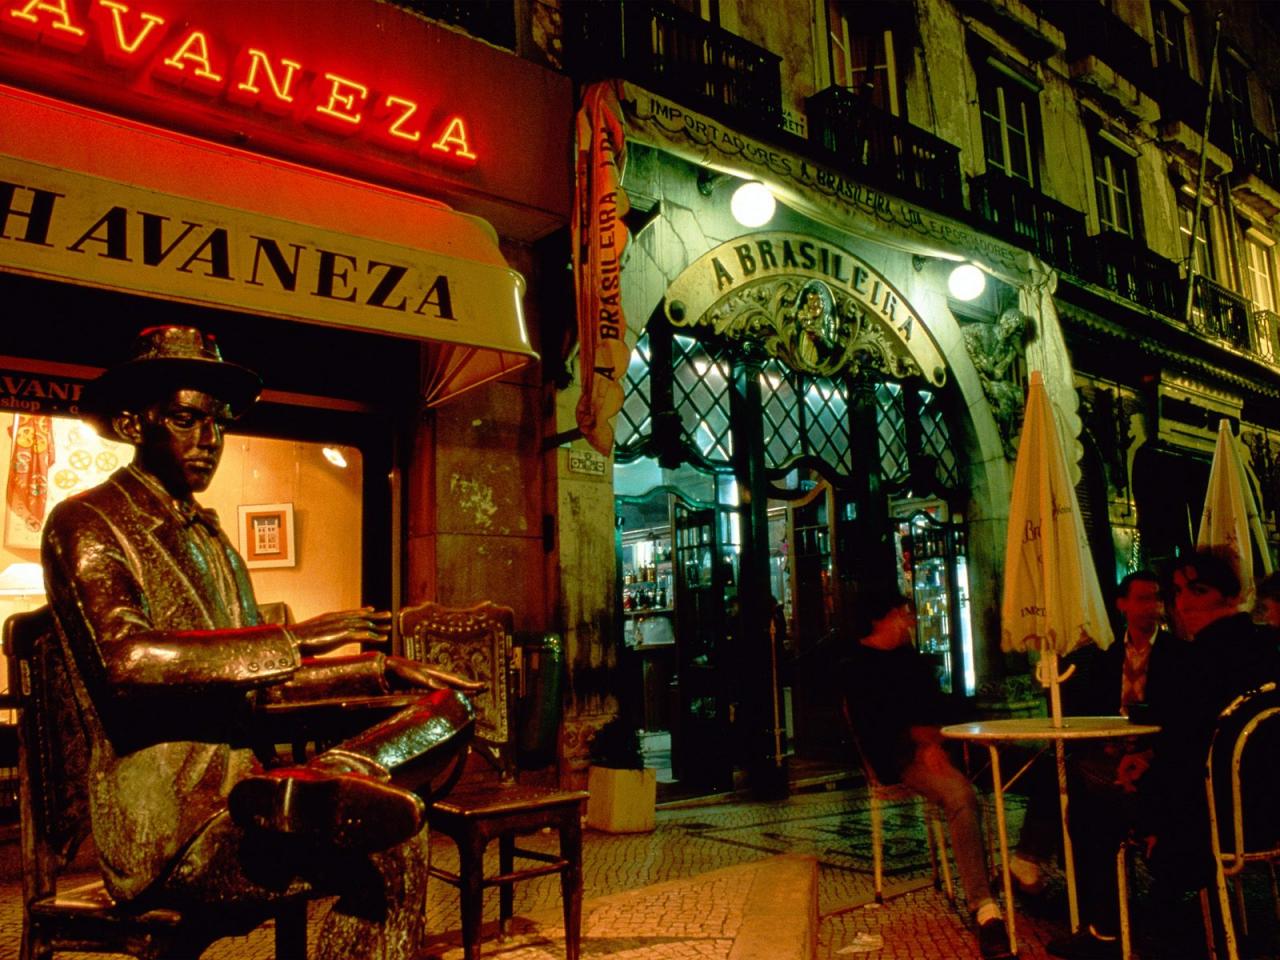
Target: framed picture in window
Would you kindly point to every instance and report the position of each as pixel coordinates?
(266, 535)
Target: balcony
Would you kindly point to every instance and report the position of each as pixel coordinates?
(1023, 215)
(1126, 266)
(1255, 159)
(678, 55)
(1266, 335)
(1221, 313)
(1181, 99)
(886, 151)
(1097, 35)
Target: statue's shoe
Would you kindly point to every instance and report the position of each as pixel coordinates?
(347, 810)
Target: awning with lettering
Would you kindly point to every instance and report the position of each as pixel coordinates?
(96, 200)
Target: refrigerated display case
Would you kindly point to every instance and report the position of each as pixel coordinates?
(933, 570)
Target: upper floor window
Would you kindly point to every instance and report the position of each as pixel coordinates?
(1010, 119)
(1199, 254)
(1171, 36)
(1235, 88)
(1115, 184)
(1261, 276)
(492, 20)
(862, 55)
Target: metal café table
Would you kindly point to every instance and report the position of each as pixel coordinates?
(993, 733)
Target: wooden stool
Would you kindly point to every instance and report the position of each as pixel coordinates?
(473, 817)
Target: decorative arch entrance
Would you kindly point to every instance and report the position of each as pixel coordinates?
(806, 386)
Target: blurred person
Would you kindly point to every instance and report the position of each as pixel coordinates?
(1266, 608)
(897, 709)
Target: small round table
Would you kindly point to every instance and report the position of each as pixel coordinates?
(993, 733)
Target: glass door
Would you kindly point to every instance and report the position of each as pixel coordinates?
(700, 751)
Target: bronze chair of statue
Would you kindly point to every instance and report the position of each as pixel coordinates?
(53, 807)
(489, 803)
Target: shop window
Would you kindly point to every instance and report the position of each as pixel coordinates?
(47, 459)
(1115, 182)
(1170, 25)
(1010, 118)
(863, 58)
(1258, 264)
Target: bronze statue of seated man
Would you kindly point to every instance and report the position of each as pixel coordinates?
(169, 658)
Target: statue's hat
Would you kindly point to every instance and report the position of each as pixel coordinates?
(161, 360)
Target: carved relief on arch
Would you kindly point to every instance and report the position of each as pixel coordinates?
(814, 306)
(809, 326)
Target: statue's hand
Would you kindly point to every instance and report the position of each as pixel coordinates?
(405, 674)
(329, 631)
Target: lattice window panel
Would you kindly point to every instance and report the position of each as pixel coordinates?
(891, 426)
(783, 415)
(826, 428)
(701, 394)
(634, 423)
(935, 439)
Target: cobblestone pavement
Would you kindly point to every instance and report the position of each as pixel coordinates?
(696, 916)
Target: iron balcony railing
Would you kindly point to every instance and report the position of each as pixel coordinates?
(1219, 312)
(1025, 216)
(1127, 267)
(886, 151)
(676, 54)
(1266, 335)
(1251, 150)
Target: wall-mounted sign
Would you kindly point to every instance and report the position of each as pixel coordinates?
(87, 230)
(586, 462)
(347, 85)
(815, 306)
(139, 38)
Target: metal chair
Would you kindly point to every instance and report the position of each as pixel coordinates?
(1250, 725)
(53, 808)
(897, 794)
(477, 643)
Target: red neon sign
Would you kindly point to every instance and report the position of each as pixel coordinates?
(136, 37)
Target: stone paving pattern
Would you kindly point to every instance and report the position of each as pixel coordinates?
(689, 915)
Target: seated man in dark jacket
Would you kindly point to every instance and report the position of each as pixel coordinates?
(896, 709)
(1158, 794)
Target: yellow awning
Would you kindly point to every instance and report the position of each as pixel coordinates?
(107, 202)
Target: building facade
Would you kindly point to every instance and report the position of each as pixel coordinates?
(344, 195)
(813, 404)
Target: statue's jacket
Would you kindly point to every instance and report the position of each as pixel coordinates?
(166, 711)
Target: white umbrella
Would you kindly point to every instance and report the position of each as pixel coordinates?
(1052, 603)
(1231, 512)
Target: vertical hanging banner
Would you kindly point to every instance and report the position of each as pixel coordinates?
(599, 237)
(28, 489)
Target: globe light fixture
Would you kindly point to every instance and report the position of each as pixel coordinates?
(335, 457)
(752, 204)
(966, 282)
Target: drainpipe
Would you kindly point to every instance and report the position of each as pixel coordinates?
(1204, 159)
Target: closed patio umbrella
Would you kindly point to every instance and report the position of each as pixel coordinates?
(1231, 512)
(1052, 603)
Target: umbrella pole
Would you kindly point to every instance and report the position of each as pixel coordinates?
(1068, 856)
(1060, 756)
